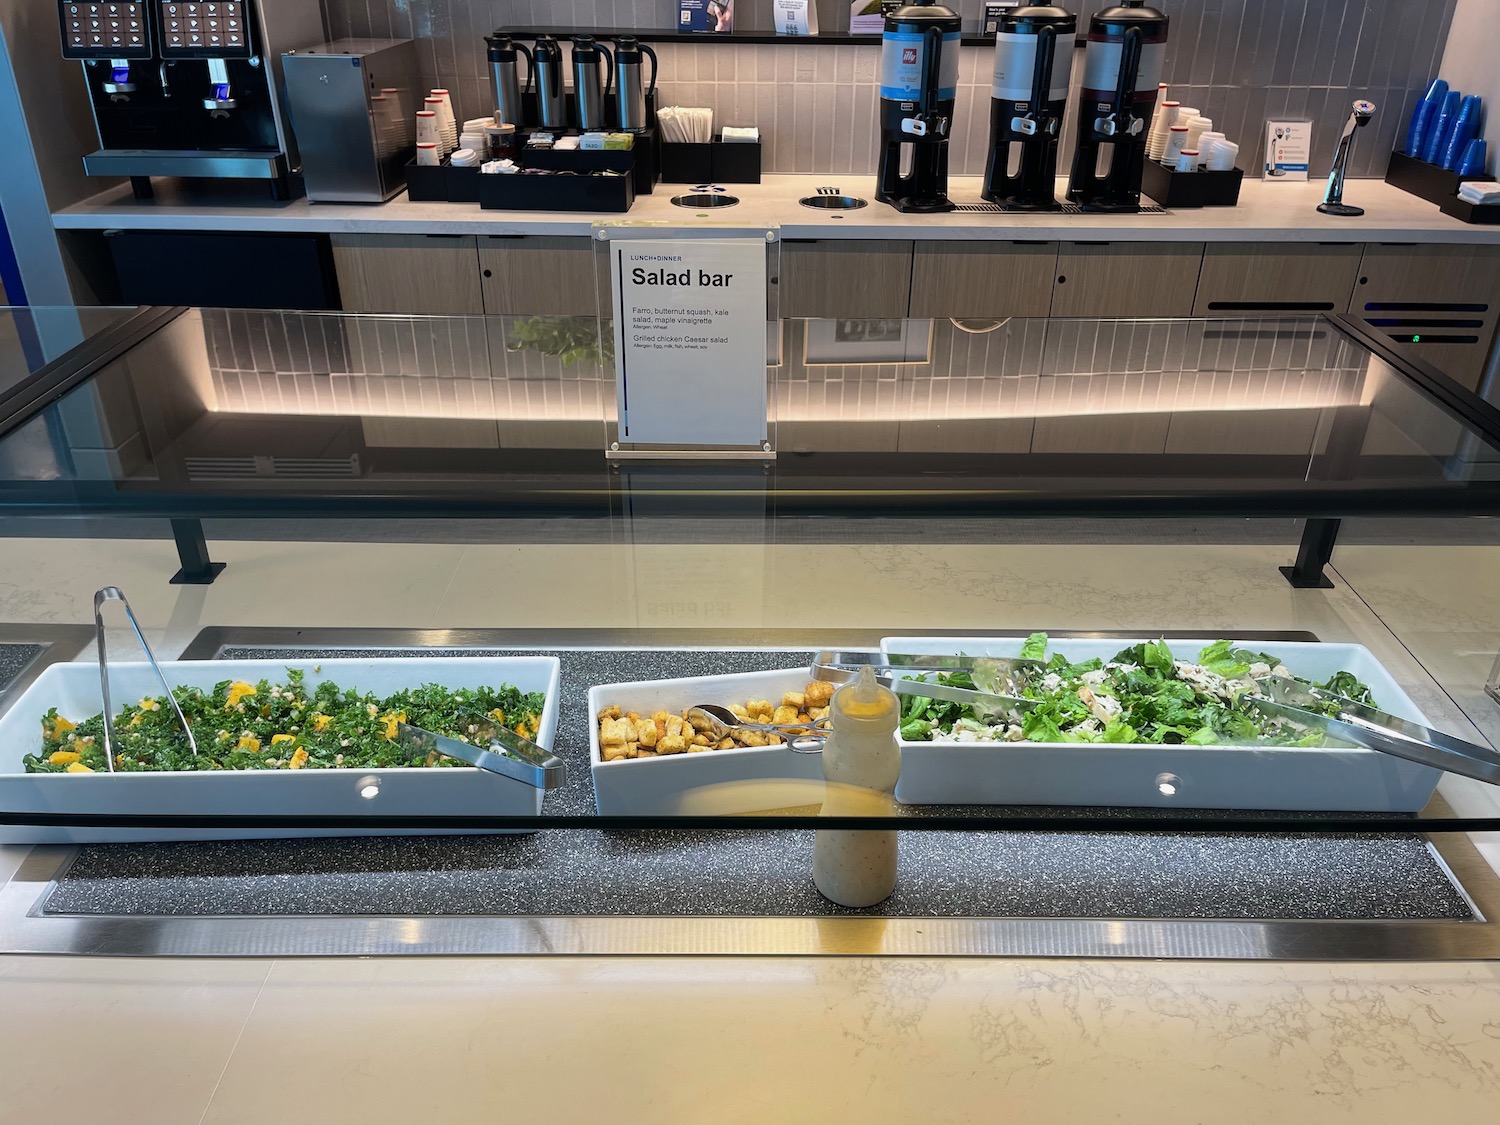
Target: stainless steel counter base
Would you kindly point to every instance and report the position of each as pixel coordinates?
(24, 929)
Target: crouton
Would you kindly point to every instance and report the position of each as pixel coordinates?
(818, 693)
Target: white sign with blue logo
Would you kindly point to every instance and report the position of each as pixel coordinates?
(903, 55)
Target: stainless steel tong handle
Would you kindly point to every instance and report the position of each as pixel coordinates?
(521, 759)
(115, 594)
(1374, 729)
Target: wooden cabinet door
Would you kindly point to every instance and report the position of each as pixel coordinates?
(1249, 279)
(428, 274)
(1126, 278)
(982, 279)
(539, 275)
(855, 279)
(1439, 303)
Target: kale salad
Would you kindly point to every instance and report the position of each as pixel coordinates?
(270, 726)
(1144, 695)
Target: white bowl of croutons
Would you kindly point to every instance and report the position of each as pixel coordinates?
(647, 760)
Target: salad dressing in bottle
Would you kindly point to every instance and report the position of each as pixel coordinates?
(861, 763)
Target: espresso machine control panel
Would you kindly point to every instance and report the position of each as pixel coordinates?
(105, 29)
(204, 29)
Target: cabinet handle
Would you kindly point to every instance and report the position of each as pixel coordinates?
(487, 273)
(1062, 280)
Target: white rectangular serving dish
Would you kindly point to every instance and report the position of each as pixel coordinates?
(714, 782)
(1274, 778)
(74, 690)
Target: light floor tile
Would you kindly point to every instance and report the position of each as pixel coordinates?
(112, 1042)
(819, 1040)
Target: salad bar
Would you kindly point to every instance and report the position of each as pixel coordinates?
(1220, 893)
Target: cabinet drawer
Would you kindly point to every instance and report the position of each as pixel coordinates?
(541, 276)
(1439, 303)
(434, 275)
(856, 279)
(1276, 278)
(1126, 279)
(982, 279)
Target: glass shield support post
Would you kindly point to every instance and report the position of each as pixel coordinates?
(692, 319)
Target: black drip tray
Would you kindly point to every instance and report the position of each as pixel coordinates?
(752, 872)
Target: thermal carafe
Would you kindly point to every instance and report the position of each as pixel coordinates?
(551, 95)
(592, 78)
(503, 52)
(1033, 62)
(918, 85)
(630, 88)
(1122, 64)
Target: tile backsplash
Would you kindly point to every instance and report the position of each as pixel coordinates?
(1238, 61)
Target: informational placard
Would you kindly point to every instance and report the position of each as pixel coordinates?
(690, 340)
(795, 17)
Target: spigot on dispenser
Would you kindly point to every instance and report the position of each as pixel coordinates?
(220, 97)
(119, 87)
(1333, 199)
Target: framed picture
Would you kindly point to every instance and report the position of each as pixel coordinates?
(828, 343)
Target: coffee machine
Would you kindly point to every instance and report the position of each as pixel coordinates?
(1033, 62)
(190, 89)
(918, 86)
(1122, 65)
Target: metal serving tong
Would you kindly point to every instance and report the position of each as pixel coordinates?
(1363, 725)
(115, 594)
(1002, 680)
(800, 738)
(507, 754)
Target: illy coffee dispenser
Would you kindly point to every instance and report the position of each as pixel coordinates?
(1122, 64)
(1033, 62)
(918, 85)
(188, 88)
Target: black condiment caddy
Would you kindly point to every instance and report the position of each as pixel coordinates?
(713, 162)
(1440, 186)
(1186, 190)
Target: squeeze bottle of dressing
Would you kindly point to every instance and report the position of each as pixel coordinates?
(861, 763)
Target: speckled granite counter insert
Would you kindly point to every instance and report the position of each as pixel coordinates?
(570, 872)
(15, 659)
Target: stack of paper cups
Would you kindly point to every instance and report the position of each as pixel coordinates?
(1176, 142)
(428, 131)
(1197, 126)
(428, 155)
(1185, 113)
(446, 119)
(1187, 160)
(1161, 128)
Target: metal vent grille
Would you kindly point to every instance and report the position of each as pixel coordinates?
(1428, 322)
(286, 468)
(1067, 209)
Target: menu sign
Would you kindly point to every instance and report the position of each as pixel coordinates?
(690, 341)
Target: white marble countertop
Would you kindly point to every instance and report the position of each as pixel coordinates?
(1266, 213)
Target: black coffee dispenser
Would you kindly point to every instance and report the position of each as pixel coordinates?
(188, 88)
(918, 86)
(1121, 70)
(1033, 62)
